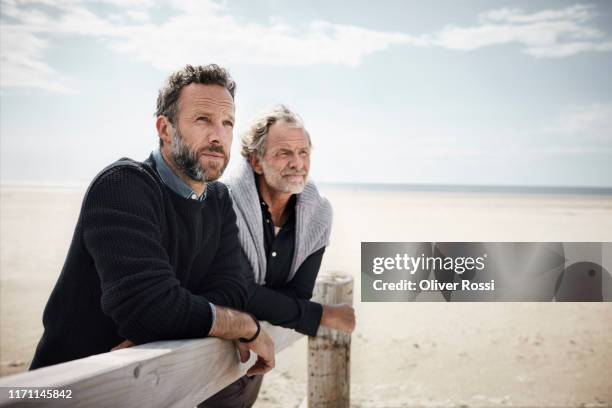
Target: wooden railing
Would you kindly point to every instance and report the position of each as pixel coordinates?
(183, 373)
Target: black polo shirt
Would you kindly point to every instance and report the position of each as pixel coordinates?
(280, 302)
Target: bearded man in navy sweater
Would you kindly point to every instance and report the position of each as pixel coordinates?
(155, 254)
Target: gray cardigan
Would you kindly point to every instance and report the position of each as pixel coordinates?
(313, 221)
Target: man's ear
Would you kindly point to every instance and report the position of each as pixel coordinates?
(163, 126)
(255, 163)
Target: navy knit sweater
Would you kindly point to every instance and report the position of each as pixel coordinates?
(143, 265)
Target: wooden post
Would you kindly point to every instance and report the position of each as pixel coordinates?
(329, 353)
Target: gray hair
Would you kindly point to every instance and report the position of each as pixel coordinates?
(167, 99)
(254, 139)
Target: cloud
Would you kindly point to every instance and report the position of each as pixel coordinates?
(584, 130)
(202, 31)
(196, 31)
(547, 33)
(25, 41)
(232, 43)
(588, 124)
(569, 49)
(22, 63)
(578, 12)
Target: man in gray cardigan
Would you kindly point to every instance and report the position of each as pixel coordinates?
(284, 226)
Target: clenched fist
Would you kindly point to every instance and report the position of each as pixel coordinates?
(339, 317)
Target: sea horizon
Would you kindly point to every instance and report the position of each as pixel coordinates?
(7, 186)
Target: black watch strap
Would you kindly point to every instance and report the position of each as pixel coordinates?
(243, 340)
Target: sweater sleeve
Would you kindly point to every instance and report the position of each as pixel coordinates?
(225, 284)
(285, 306)
(121, 221)
(302, 284)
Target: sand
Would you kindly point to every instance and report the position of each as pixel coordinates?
(403, 354)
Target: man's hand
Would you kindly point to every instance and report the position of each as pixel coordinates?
(232, 325)
(263, 346)
(339, 317)
(122, 345)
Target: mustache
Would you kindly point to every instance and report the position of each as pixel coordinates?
(290, 172)
(215, 148)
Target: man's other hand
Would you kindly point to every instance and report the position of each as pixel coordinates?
(338, 317)
(122, 345)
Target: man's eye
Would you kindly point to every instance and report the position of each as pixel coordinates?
(203, 118)
(228, 123)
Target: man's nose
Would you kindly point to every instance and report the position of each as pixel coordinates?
(296, 162)
(216, 134)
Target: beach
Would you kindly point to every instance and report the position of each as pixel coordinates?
(403, 354)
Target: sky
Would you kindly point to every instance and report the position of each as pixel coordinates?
(436, 92)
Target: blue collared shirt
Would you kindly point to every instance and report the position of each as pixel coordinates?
(181, 188)
(173, 181)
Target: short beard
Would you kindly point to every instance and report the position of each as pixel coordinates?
(187, 161)
(275, 179)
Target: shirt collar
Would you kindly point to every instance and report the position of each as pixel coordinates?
(173, 181)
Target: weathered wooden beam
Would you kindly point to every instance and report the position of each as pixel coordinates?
(329, 353)
(178, 373)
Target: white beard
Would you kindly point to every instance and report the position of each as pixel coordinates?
(276, 181)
